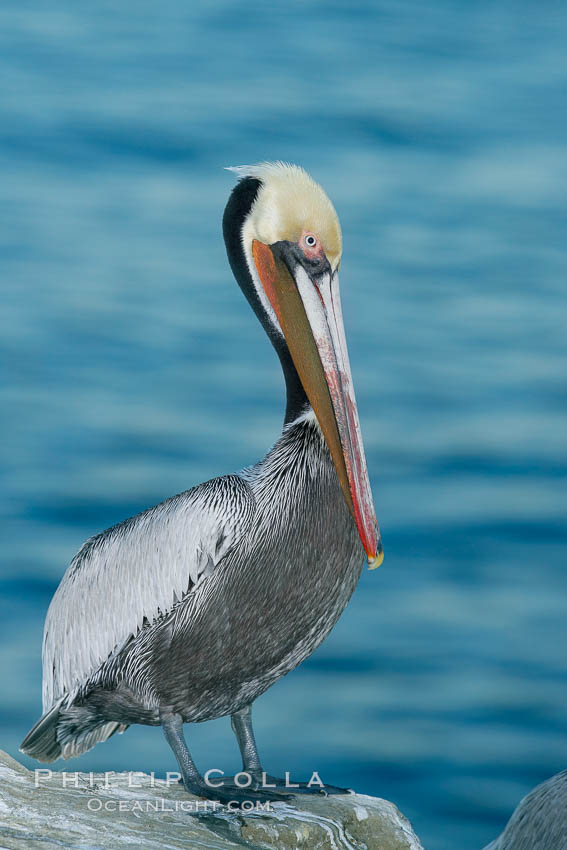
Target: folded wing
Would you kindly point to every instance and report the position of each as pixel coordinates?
(135, 572)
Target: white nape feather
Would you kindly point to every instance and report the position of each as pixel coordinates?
(155, 558)
(308, 416)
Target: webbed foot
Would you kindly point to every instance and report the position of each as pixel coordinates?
(311, 787)
(265, 782)
(229, 793)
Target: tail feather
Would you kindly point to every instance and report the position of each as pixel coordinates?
(41, 741)
(67, 732)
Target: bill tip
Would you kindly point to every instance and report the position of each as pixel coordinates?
(374, 563)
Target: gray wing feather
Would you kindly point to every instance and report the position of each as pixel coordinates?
(135, 572)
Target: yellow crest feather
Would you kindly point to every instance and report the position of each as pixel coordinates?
(288, 203)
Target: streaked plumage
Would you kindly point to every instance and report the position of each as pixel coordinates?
(540, 819)
(193, 608)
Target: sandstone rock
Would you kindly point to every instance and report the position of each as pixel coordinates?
(98, 812)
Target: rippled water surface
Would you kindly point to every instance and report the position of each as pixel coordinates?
(133, 368)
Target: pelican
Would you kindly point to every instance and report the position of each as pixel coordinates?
(539, 821)
(190, 610)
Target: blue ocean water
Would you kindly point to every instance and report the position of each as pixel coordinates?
(133, 368)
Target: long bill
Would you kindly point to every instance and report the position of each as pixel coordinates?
(310, 316)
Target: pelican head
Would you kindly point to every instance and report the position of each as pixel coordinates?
(284, 244)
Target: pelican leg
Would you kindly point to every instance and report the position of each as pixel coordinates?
(241, 723)
(192, 780)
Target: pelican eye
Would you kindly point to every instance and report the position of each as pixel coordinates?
(310, 240)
